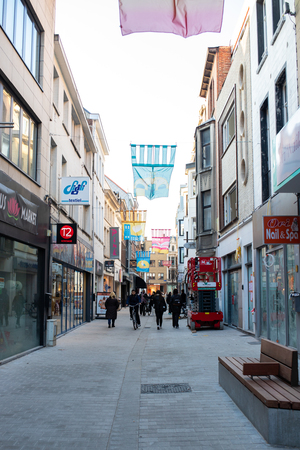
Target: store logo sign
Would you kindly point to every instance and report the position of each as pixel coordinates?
(281, 229)
(13, 208)
(66, 233)
(16, 210)
(75, 190)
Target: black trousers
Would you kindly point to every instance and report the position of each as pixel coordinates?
(159, 318)
(175, 317)
(136, 307)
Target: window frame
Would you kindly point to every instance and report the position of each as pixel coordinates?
(28, 167)
(261, 19)
(181, 227)
(281, 101)
(227, 138)
(205, 209)
(181, 255)
(227, 202)
(205, 149)
(11, 28)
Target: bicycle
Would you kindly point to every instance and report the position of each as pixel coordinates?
(133, 313)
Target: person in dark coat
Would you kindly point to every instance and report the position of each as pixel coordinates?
(134, 300)
(111, 306)
(169, 300)
(175, 306)
(160, 307)
(4, 306)
(17, 306)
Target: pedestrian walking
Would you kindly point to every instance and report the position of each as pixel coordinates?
(134, 300)
(160, 307)
(17, 306)
(175, 306)
(111, 306)
(144, 299)
(169, 300)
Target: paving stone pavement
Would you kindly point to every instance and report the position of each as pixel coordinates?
(85, 393)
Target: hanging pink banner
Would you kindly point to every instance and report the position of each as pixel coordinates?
(183, 17)
(161, 240)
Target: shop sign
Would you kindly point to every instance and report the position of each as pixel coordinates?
(281, 229)
(98, 268)
(114, 242)
(66, 233)
(109, 266)
(167, 263)
(17, 210)
(75, 190)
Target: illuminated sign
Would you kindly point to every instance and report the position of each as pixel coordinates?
(66, 233)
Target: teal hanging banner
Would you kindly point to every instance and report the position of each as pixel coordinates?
(152, 170)
(142, 261)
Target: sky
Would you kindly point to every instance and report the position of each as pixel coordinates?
(144, 86)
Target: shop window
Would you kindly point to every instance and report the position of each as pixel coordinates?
(261, 29)
(21, 301)
(230, 206)
(205, 148)
(18, 144)
(228, 131)
(281, 102)
(23, 32)
(265, 151)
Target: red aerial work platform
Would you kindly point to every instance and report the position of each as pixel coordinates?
(204, 279)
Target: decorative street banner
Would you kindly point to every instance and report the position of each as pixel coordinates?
(143, 261)
(152, 170)
(17, 210)
(75, 190)
(114, 242)
(134, 223)
(167, 263)
(281, 229)
(183, 17)
(161, 240)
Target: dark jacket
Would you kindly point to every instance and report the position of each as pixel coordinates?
(133, 299)
(111, 306)
(175, 304)
(159, 304)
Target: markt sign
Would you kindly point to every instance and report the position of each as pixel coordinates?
(281, 229)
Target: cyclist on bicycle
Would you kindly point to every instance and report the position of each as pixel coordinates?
(134, 300)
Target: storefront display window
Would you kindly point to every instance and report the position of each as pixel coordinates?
(291, 287)
(277, 280)
(263, 293)
(20, 300)
(68, 305)
(233, 294)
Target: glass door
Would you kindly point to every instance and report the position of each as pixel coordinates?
(276, 298)
(291, 270)
(233, 290)
(250, 297)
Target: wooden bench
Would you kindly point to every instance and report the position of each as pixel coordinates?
(266, 391)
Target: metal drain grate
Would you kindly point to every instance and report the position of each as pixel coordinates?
(171, 388)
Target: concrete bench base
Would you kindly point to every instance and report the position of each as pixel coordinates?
(277, 426)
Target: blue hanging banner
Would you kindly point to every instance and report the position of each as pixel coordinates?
(152, 171)
(142, 261)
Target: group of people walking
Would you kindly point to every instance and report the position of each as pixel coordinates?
(140, 302)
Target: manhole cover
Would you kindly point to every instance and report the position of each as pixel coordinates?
(253, 343)
(173, 388)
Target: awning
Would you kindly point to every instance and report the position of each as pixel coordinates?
(140, 283)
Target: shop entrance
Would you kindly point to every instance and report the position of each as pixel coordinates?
(68, 299)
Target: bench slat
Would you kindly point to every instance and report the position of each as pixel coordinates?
(284, 372)
(283, 401)
(289, 389)
(231, 365)
(292, 398)
(261, 369)
(283, 354)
